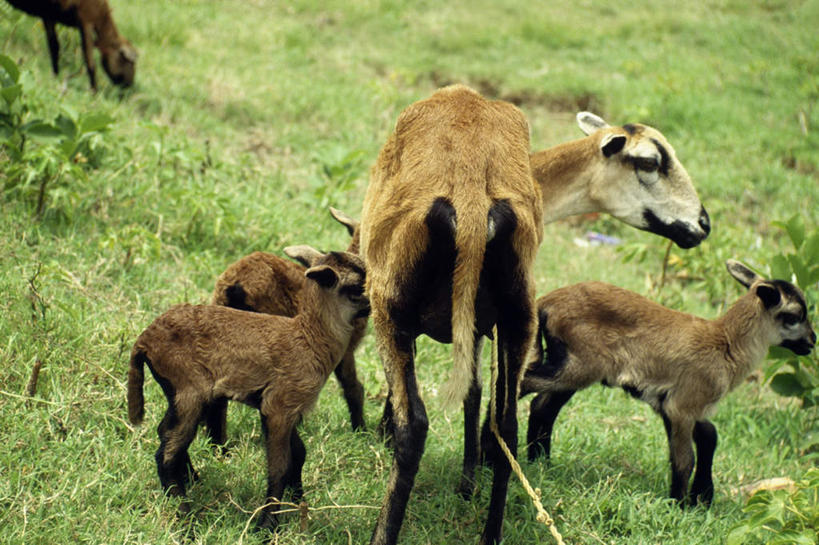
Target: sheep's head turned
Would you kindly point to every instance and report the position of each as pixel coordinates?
(643, 184)
(119, 62)
(341, 274)
(785, 307)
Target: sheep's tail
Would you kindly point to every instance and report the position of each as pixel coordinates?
(136, 377)
(470, 244)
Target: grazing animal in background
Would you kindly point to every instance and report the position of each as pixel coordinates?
(630, 172)
(679, 364)
(449, 231)
(264, 282)
(95, 22)
(201, 355)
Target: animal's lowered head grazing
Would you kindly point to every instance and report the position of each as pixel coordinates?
(643, 183)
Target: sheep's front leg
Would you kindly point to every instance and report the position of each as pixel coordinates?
(277, 433)
(543, 412)
(679, 433)
(705, 439)
(409, 422)
(353, 389)
(472, 410)
(53, 44)
(86, 34)
(292, 478)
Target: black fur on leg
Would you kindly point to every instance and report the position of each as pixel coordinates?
(705, 439)
(542, 415)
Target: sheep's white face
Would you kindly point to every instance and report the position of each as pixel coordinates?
(642, 183)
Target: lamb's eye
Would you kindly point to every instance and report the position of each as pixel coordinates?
(789, 319)
(647, 164)
(352, 291)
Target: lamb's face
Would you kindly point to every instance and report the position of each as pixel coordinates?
(342, 274)
(789, 313)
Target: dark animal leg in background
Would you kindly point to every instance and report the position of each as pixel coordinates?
(86, 32)
(353, 389)
(216, 422)
(472, 413)
(53, 45)
(542, 415)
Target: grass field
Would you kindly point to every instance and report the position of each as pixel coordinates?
(249, 118)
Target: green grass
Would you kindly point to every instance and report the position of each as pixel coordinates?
(240, 111)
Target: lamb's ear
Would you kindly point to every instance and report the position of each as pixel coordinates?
(769, 294)
(612, 143)
(303, 254)
(323, 274)
(741, 273)
(590, 123)
(350, 223)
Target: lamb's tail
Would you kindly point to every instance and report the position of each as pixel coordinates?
(136, 378)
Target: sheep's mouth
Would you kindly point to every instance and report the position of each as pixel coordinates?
(678, 231)
(800, 347)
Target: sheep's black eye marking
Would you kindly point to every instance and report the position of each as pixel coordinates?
(647, 164)
(356, 290)
(665, 163)
(789, 319)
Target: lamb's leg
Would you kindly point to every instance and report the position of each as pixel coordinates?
(679, 435)
(292, 478)
(216, 422)
(543, 412)
(386, 428)
(277, 433)
(176, 431)
(53, 44)
(410, 423)
(705, 439)
(353, 390)
(472, 410)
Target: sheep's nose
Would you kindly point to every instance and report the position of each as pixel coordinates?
(705, 221)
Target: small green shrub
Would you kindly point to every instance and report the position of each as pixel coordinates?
(45, 154)
(781, 517)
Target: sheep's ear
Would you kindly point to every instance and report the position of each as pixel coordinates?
(303, 254)
(590, 123)
(741, 273)
(323, 274)
(768, 294)
(345, 220)
(612, 143)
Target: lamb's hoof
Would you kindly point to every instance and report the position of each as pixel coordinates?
(268, 522)
(466, 488)
(184, 508)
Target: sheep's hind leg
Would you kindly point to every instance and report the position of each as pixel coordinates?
(216, 422)
(543, 412)
(176, 431)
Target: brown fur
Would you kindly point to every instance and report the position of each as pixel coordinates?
(454, 153)
(680, 364)
(272, 285)
(577, 177)
(202, 355)
(95, 22)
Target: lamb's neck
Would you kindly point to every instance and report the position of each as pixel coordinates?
(564, 173)
(325, 332)
(746, 343)
(106, 29)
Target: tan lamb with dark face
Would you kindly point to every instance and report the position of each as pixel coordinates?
(95, 22)
(205, 354)
(264, 282)
(679, 364)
